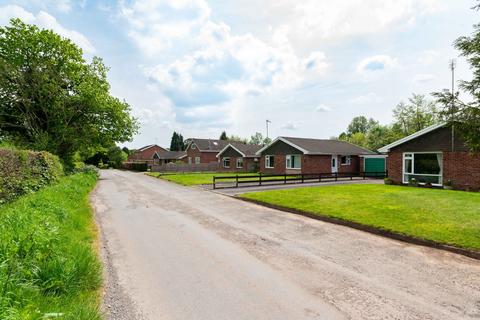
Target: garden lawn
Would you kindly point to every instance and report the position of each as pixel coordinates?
(48, 262)
(190, 179)
(449, 217)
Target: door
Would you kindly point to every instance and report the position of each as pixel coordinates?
(334, 163)
(374, 165)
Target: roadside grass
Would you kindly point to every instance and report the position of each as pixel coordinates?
(448, 217)
(190, 179)
(48, 263)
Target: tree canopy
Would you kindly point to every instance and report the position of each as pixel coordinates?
(177, 143)
(52, 99)
(465, 117)
(223, 136)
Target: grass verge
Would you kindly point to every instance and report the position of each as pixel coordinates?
(447, 217)
(190, 179)
(48, 264)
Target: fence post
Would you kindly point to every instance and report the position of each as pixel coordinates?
(363, 175)
(236, 180)
(302, 178)
(319, 177)
(351, 175)
(260, 179)
(214, 182)
(336, 176)
(285, 179)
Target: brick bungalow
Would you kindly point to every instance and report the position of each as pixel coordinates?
(145, 154)
(203, 150)
(239, 157)
(433, 155)
(301, 155)
(164, 157)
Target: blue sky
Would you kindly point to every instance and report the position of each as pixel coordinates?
(200, 67)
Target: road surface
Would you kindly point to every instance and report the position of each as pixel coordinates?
(173, 252)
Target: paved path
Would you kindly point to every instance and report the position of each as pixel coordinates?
(183, 253)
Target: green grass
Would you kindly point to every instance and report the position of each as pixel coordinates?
(449, 217)
(190, 179)
(48, 260)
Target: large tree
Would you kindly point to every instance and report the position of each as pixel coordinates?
(465, 116)
(415, 115)
(223, 136)
(52, 99)
(177, 143)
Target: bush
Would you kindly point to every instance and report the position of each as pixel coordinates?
(88, 169)
(138, 166)
(23, 171)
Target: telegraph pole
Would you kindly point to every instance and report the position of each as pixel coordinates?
(267, 122)
(452, 65)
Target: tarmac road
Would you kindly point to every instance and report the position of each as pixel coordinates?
(174, 252)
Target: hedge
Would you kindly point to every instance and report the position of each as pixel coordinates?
(24, 171)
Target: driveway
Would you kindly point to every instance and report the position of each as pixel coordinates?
(174, 252)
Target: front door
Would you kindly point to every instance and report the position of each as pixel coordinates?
(334, 163)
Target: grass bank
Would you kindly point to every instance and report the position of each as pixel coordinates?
(448, 217)
(190, 179)
(48, 264)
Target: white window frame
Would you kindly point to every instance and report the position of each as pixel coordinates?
(348, 160)
(193, 146)
(223, 161)
(267, 161)
(411, 155)
(288, 161)
(239, 160)
(197, 160)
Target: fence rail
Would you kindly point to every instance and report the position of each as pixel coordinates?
(186, 167)
(236, 181)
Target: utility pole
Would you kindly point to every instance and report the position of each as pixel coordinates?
(267, 122)
(452, 65)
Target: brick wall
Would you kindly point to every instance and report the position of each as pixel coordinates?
(205, 157)
(317, 164)
(279, 165)
(395, 166)
(463, 168)
(145, 155)
(353, 167)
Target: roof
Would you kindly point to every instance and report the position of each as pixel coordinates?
(321, 146)
(171, 154)
(148, 147)
(246, 150)
(208, 145)
(417, 134)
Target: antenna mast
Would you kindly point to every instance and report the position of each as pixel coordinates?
(452, 65)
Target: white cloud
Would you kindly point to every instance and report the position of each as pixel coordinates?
(376, 63)
(422, 78)
(323, 108)
(428, 57)
(291, 125)
(46, 21)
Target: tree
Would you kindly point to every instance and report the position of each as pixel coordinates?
(418, 114)
(465, 117)
(235, 138)
(223, 136)
(360, 124)
(258, 139)
(52, 99)
(126, 150)
(116, 156)
(177, 143)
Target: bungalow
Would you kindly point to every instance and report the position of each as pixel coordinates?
(145, 154)
(239, 157)
(164, 157)
(433, 155)
(203, 150)
(287, 155)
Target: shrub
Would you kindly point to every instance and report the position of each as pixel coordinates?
(23, 171)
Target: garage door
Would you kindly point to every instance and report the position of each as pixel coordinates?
(374, 165)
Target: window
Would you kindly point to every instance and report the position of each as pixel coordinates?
(226, 162)
(345, 160)
(239, 163)
(197, 160)
(193, 146)
(294, 161)
(269, 161)
(423, 167)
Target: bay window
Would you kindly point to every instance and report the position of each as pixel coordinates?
(424, 167)
(294, 161)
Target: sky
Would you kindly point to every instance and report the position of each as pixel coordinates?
(200, 67)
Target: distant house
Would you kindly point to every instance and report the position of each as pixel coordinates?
(145, 154)
(433, 155)
(165, 157)
(239, 157)
(287, 155)
(203, 150)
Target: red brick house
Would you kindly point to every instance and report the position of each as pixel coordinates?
(164, 157)
(203, 150)
(287, 155)
(239, 157)
(433, 155)
(145, 154)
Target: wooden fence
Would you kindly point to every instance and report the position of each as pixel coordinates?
(186, 167)
(236, 181)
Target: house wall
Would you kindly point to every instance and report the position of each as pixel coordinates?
(249, 165)
(437, 140)
(205, 157)
(145, 155)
